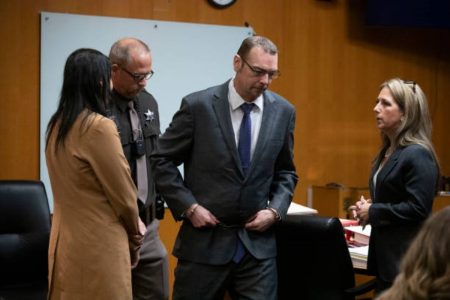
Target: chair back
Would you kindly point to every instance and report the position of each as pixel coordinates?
(24, 239)
(313, 259)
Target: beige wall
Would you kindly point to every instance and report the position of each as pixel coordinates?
(331, 68)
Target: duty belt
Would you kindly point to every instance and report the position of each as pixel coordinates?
(147, 214)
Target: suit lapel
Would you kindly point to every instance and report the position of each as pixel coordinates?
(387, 168)
(266, 129)
(222, 110)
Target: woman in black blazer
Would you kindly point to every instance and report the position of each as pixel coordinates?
(404, 177)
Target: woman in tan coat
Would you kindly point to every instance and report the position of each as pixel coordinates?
(95, 233)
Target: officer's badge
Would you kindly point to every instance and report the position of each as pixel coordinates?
(149, 115)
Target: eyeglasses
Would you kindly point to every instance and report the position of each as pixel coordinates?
(138, 77)
(261, 72)
(413, 84)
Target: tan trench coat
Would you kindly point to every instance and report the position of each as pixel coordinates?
(94, 212)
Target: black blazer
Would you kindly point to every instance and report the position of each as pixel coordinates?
(402, 200)
(201, 136)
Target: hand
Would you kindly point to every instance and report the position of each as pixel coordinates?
(201, 217)
(142, 227)
(135, 243)
(352, 212)
(261, 221)
(362, 210)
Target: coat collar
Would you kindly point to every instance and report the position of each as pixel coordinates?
(121, 101)
(387, 168)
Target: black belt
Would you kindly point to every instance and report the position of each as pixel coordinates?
(147, 214)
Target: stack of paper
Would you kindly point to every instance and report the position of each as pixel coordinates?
(297, 209)
(349, 222)
(360, 235)
(359, 256)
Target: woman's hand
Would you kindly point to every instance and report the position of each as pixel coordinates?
(360, 211)
(135, 243)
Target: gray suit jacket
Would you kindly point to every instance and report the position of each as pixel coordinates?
(201, 136)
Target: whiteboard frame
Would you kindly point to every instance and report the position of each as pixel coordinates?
(186, 57)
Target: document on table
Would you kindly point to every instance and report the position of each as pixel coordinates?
(360, 236)
(297, 209)
(359, 256)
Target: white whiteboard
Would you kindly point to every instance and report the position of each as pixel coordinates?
(187, 57)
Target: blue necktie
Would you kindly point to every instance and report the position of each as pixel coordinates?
(245, 138)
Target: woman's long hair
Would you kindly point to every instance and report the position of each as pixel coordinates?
(86, 85)
(425, 268)
(416, 126)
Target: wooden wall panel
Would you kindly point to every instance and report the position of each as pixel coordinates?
(440, 109)
(19, 83)
(331, 64)
(331, 68)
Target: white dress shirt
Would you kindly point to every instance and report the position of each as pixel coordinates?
(236, 113)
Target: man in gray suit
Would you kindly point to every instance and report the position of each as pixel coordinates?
(229, 198)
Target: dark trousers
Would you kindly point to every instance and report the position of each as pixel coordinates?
(250, 279)
(150, 278)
